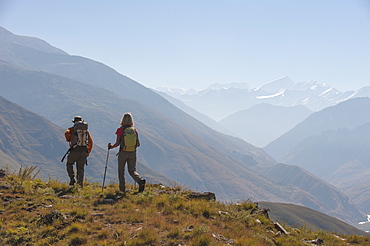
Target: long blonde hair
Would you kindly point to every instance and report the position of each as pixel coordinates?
(127, 120)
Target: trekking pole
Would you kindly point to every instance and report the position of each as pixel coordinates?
(105, 171)
(66, 154)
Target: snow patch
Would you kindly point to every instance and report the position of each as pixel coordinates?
(281, 92)
(368, 220)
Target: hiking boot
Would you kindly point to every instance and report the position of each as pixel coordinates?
(142, 185)
(120, 194)
(72, 182)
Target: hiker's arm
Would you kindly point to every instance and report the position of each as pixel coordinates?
(137, 141)
(118, 141)
(91, 143)
(67, 135)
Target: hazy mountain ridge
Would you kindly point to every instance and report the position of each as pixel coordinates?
(190, 152)
(334, 145)
(8, 38)
(329, 197)
(348, 114)
(192, 112)
(264, 122)
(224, 101)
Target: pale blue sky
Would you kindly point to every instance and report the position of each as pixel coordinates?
(194, 43)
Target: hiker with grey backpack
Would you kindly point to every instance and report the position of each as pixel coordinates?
(127, 140)
(80, 143)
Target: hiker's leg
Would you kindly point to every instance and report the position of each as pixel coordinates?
(71, 158)
(71, 173)
(131, 166)
(122, 158)
(81, 168)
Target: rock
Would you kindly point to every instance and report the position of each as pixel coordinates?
(205, 195)
(280, 228)
(318, 241)
(101, 215)
(110, 201)
(189, 228)
(51, 217)
(4, 187)
(69, 196)
(223, 238)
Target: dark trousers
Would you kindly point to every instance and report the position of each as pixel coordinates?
(80, 159)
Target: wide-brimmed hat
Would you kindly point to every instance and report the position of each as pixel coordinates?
(77, 118)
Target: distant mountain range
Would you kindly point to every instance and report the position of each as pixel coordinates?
(58, 86)
(227, 103)
(219, 102)
(333, 144)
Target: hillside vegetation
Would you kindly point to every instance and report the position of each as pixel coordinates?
(35, 212)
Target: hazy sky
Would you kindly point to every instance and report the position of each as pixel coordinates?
(194, 43)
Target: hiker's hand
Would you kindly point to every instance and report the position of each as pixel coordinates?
(109, 146)
(87, 154)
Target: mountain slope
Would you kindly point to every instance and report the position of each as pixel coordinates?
(360, 194)
(97, 74)
(348, 114)
(340, 157)
(325, 197)
(29, 139)
(299, 216)
(179, 153)
(199, 116)
(264, 122)
(7, 38)
(327, 152)
(334, 145)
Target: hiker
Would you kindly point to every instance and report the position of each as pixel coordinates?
(128, 140)
(80, 143)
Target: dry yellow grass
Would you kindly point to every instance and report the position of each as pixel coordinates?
(34, 212)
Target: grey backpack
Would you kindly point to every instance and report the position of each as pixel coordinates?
(80, 139)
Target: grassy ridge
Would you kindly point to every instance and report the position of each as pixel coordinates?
(34, 212)
(295, 215)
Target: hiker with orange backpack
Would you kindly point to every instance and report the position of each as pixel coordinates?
(80, 143)
(128, 140)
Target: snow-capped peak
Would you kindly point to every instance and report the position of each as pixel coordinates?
(276, 85)
(218, 86)
(176, 91)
